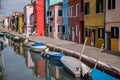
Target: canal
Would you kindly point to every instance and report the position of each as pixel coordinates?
(20, 63)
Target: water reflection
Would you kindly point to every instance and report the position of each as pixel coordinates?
(42, 68)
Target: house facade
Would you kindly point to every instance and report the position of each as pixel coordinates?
(112, 25)
(76, 20)
(65, 18)
(94, 22)
(56, 28)
(39, 13)
(28, 11)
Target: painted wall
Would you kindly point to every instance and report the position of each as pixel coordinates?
(21, 23)
(112, 19)
(76, 20)
(93, 21)
(39, 17)
(65, 18)
(57, 20)
(28, 10)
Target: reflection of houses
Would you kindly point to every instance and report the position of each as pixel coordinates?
(65, 18)
(76, 23)
(56, 28)
(94, 22)
(28, 12)
(54, 70)
(112, 26)
(41, 68)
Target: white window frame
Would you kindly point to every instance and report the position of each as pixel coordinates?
(77, 30)
(77, 9)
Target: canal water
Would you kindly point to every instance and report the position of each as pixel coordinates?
(19, 63)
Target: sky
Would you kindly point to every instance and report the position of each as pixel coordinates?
(8, 6)
(54, 1)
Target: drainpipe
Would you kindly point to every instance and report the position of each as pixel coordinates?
(104, 23)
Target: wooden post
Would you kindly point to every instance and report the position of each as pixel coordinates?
(99, 55)
(83, 48)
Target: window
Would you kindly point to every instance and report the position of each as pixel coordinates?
(99, 6)
(59, 12)
(87, 32)
(69, 29)
(114, 32)
(61, 28)
(72, 11)
(49, 13)
(50, 28)
(77, 30)
(87, 8)
(77, 9)
(100, 32)
(111, 4)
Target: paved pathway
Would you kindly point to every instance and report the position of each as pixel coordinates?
(108, 57)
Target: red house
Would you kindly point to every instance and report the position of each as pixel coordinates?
(39, 11)
(76, 21)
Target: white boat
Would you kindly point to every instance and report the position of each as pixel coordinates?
(28, 44)
(38, 47)
(75, 67)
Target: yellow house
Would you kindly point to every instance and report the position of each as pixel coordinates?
(94, 22)
(21, 24)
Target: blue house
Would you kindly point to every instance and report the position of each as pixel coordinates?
(65, 18)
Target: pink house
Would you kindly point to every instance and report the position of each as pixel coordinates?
(56, 28)
(112, 25)
(28, 12)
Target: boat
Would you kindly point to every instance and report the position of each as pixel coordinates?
(18, 39)
(53, 55)
(100, 75)
(28, 44)
(2, 34)
(38, 47)
(75, 66)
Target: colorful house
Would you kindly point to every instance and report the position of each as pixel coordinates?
(65, 18)
(47, 5)
(21, 23)
(94, 22)
(39, 13)
(112, 25)
(56, 29)
(76, 20)
(28, 12)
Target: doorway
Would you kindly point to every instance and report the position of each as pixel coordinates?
(93, 31)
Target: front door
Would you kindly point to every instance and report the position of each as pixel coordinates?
(73, 34)
(93, 37)
(108, 41)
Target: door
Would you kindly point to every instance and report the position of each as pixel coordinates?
(93, 37)
(108, 41)
(73, 34)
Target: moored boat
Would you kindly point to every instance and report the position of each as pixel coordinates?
(38, 47)
(53, 55)
(100, 75)
(75, 67)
